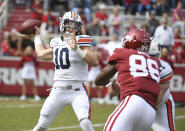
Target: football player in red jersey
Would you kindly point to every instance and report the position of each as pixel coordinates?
(138, 76)
(165, 112)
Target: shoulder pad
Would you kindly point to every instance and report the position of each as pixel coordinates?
(166, 72)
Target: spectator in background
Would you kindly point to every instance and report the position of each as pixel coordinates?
(178, 49)
(101, 15)
(28, 62)
(102, 18)
(144, 27)
(164, 34)
(85, 22)
(104, 30)
(83, 5)
(145, 4)
(1, 3)
(47, 29)
(36, 10)
(172, 3)
(116, 20)
(130, 6)
(178, 18)
(165, 56)
(15, 44)
(152, 23)
(182, 54)
(113, 44)
(25, 42)
(47, 16)
(131, 25)
(93, 28)
(161, 7)
(5, 46)
(28, 5)
(178, 39)
(98, 26)
(178, 14)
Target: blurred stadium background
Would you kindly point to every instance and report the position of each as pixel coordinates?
(106, 21)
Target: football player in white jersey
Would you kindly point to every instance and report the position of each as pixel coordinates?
(164, 120)
(71, 54)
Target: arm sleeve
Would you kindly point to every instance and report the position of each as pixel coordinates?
(166, 72)
(84, 40)
(114, 57)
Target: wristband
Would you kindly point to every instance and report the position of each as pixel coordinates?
(37, 40)
(80, 52)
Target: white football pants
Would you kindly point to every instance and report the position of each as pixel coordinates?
(164, 120)
(132, 114)
(58, 99)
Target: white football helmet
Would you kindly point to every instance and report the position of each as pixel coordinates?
(154, 49)
(70, 20)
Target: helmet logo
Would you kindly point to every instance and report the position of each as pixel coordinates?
(128, 38)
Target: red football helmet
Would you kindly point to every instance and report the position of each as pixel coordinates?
(137, 39)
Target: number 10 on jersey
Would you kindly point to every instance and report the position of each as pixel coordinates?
(62, 58)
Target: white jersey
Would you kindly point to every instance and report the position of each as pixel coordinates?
(166, 73)
(68, 64)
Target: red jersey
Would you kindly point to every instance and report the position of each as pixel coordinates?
(138, 73)
(101, 16)
(103, 56)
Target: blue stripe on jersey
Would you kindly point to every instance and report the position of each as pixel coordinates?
(84, 36)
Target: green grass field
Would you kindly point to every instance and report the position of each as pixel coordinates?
(18, 115)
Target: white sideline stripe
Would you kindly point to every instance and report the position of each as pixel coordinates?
(71, 127)
(95, 125)
(20, 106)
(179, 117)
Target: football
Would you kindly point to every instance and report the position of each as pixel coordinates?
(28, 27)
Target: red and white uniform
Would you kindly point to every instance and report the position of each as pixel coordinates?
(165, 113)
(138, 75)
(68, 88)
(28, 63)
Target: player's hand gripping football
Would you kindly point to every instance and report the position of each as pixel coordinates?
(72, 42)
(37, 32)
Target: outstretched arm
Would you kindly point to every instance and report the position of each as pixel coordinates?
(105, 75)
(163, 89)
(42, 53)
